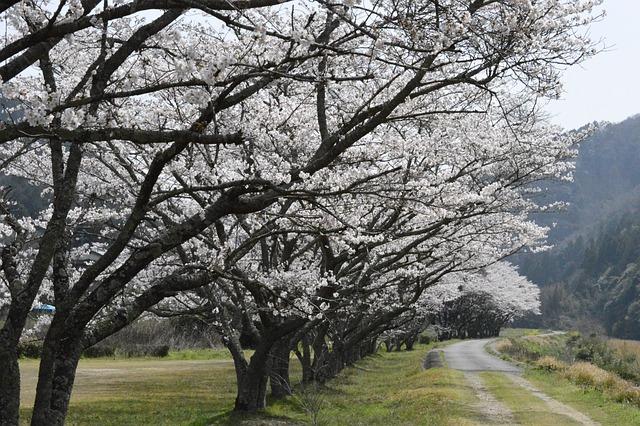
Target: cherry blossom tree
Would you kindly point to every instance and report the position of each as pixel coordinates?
(167, 134)
(479, 304)
(337, 270)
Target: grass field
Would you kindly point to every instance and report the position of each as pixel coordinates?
(187, 389)
(143, 391)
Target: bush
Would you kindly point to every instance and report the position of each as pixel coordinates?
(550, 363)
(594, 362)
(522, 349)
(628, 394)
(606, 356)
(503, 346)
(99, 351)
(30, 350)
(589, 375)
(425, 338)
(160, 351)
(585, 374)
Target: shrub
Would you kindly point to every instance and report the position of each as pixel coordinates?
(424, 338)
(160, 351)
(585, 374)
(503, 346)
(99, 351)
(628, 394)
(30, 350)
(550, 363)
(521, 349)
(614, 387)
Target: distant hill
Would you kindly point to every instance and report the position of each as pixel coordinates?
(26, 196)
(591, 279)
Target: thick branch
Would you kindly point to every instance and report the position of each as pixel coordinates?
(137, 136)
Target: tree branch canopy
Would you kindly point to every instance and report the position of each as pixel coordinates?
(137, 136)
(354, 177)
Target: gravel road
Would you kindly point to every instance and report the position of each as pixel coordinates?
(470, 355)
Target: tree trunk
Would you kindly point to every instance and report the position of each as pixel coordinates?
(321, 356)
(9, 367)
(46, 370)
(252, 381)
(398, 341)
(56, 383)
(332, 363)
(410, 341)
(305, 361)
(252, 384)
(9, 383)
(279, 370)
(252, 393)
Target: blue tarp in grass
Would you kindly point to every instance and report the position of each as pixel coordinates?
(44, 309)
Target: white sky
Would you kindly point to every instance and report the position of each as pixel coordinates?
(607, 87)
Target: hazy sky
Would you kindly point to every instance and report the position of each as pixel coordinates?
(606, 87)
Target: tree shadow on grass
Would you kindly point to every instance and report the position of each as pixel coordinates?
(230, 418)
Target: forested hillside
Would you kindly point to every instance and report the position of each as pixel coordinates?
(591, 279)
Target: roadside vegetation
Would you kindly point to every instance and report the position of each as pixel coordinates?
(621, 358)
(597, 376)
(520, 332)
(588, 400)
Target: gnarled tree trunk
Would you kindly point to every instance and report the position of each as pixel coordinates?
(252, 382)
(9, 381)
(55, 382)
(279, 370)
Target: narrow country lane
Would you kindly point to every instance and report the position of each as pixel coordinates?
(470, 355)
(481, 368)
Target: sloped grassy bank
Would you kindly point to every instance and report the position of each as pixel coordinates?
(388, 388)
(595, 375)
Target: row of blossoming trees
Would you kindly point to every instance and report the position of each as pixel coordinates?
(300, 173)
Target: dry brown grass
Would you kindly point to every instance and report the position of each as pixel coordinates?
(585, 374)
(503, 345)
(550, 363)
(626, 348)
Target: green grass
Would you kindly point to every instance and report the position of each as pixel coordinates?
(589, 401)
(195, 388)
(392, 389)
(529, 348)
(526, 407)
(202, 354)
(143, 391)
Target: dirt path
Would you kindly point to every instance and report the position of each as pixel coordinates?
(471, 357)
(554, 405)
(493, 411)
